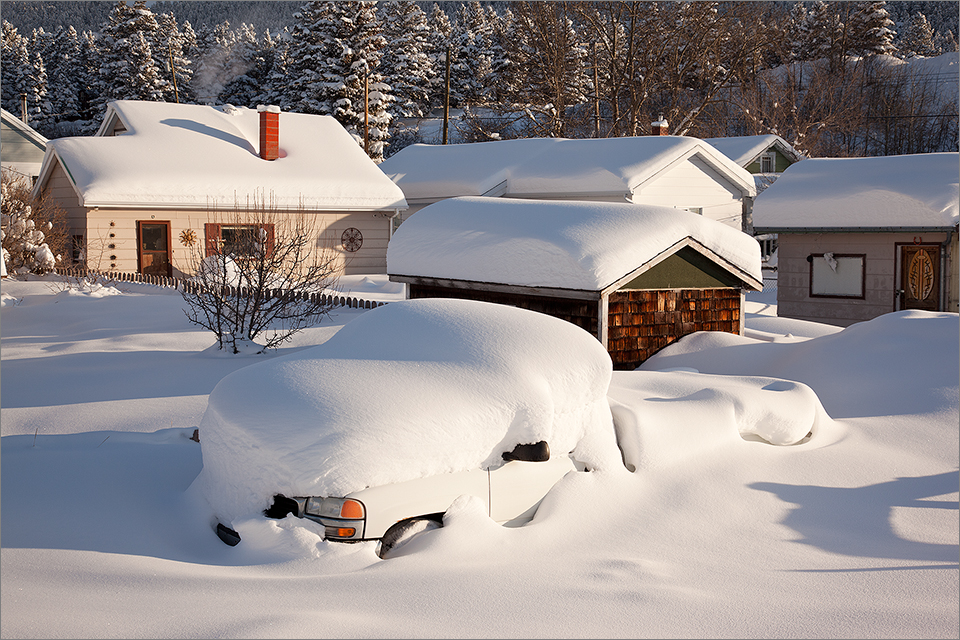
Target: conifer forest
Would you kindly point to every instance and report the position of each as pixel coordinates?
(834, 79)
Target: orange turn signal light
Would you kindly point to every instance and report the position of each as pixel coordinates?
(351, 509)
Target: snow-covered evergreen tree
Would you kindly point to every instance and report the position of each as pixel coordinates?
(212, 66)
(311, 62)
(15, 61)
(61, 55)
(359, 96)
(128, 69)
(169, 46)
(472, 54)
(88, 82)
(253, 60)
(437, 45)
(406, 64)
(946, 42)
(797, 34)
(870, 30)
(824, 29)
(275, 83)
(918, 38)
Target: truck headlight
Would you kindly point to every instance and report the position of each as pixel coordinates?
(344, 508)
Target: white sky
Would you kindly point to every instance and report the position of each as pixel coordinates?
(718, 533)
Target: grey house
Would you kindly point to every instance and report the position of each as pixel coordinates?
(860, 237)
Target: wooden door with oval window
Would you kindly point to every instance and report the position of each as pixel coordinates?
(919, 277)
(153, 248)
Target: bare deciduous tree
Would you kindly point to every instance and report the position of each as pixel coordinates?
(259, 275)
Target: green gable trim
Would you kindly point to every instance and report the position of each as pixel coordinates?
(686, 269)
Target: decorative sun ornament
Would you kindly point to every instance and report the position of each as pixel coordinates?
(188, 238)
(352, 239)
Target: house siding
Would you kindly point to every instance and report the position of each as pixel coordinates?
(880, 282)
(111, 233)
(641, 322)
(695, 184)
(582, 313)
(21, 154)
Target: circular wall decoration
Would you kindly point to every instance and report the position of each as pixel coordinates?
(188, 238)
(352, 239)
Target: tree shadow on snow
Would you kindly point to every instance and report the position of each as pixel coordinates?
(858, 521)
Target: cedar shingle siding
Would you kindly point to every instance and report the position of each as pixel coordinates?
(641, 322)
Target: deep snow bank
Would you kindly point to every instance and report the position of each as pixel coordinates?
(852, 371)
(410, 389)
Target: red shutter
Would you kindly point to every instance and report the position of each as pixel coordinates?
(211, 236)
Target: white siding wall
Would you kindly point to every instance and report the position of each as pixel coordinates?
(695, 184)
(114, 246)
(122, 256)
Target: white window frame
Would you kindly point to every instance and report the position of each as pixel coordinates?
(770, 158)
(838, 275)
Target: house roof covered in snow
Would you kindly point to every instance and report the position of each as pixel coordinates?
(161, 154)
(744, 150)
(541, 167)
(889, 193)
(570, 245)
(23, 147)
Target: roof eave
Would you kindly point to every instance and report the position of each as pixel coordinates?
(479, 285)
(206, 206)
(914, 229)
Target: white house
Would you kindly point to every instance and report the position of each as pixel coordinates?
(673, 171)
(160, 183)
(860, 237)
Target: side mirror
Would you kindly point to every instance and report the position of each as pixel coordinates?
(228, 535)
(537, 452)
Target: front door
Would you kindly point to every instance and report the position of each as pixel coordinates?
(153, 248)
(919, 277)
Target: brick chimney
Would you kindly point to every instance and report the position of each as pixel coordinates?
(660, 127)
(269, 132)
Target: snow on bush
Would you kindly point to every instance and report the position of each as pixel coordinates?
(410, 389)
(23, 233)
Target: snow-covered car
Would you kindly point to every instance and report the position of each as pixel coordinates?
(376, 432)
(394, 513)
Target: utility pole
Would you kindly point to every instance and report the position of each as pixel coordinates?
(366, 113)
(173, 72)
(596, 93)
(446, 99)
(23, 107)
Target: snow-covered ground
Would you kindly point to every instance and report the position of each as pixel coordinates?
(852, 532)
